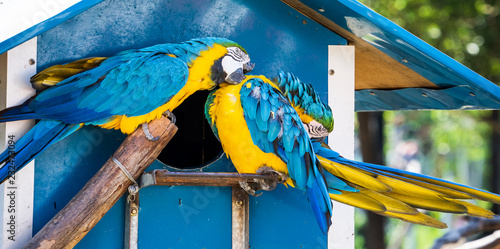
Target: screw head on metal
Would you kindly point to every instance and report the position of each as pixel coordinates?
(239, 203)
(31, 61)
(133, 211)
(331, 72)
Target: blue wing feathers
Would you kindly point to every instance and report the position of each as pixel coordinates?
(274, 130)
(259, 119)
(265, 110)
(251, 110)
(113, 88)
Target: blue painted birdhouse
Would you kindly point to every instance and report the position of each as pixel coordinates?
(393, 71)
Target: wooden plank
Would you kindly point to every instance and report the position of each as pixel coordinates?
(164, 177)
(341, 100)
(83, 212)
(16, 195)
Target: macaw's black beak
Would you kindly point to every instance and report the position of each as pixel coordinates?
(247, 67)
(236, 77)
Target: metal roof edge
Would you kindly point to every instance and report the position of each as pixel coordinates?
(410, 41)
(46, 25)
(453, 98)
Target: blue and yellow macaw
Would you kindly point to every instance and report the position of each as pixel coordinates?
(120, 92)
(261, 132)
(386, 191)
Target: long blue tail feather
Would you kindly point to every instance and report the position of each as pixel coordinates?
(15, 113)
(40, 137)
(319, 199)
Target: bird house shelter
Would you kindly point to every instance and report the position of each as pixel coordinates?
(357, 60)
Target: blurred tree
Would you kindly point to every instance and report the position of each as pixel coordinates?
(462, 146)
(371, 133)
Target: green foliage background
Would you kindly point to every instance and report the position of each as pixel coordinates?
(451, 144)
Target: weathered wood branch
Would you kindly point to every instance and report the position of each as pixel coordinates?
(474, 226)
(491, 241)
(83, 212)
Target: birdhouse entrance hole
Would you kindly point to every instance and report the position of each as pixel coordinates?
(194, 144)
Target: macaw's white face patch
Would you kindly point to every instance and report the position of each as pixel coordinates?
(235, 64)
(238, 55)
(315, 129)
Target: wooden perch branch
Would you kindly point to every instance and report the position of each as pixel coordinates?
(491, 241)
(474, 226)
(83, 212)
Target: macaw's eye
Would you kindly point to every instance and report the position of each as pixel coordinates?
(238, 55)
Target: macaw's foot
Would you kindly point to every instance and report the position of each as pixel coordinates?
(279, 177)
(170, 115)
(150, 137)
(261, 184)
(250, 188)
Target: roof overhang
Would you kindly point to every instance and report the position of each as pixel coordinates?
(394, 69)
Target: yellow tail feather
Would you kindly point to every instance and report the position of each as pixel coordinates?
(359, 200)
(434, 205)
(478, 194)
(391, 204)
(55, 74)
(353, 175)
(474, 210)
(409, 189)
(420, 218)
(444, 190)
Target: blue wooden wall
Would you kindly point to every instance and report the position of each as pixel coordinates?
(276, 37)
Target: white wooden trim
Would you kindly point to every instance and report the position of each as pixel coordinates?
(17, 16)
(341, 100)
(15, 72)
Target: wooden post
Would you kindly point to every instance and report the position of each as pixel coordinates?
(341, 100)
(83, 212)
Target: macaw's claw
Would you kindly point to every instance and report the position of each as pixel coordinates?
(251, 190)
(267, 185)
(279, 177)
(148, 134)
(261, 184)
(170, 115)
